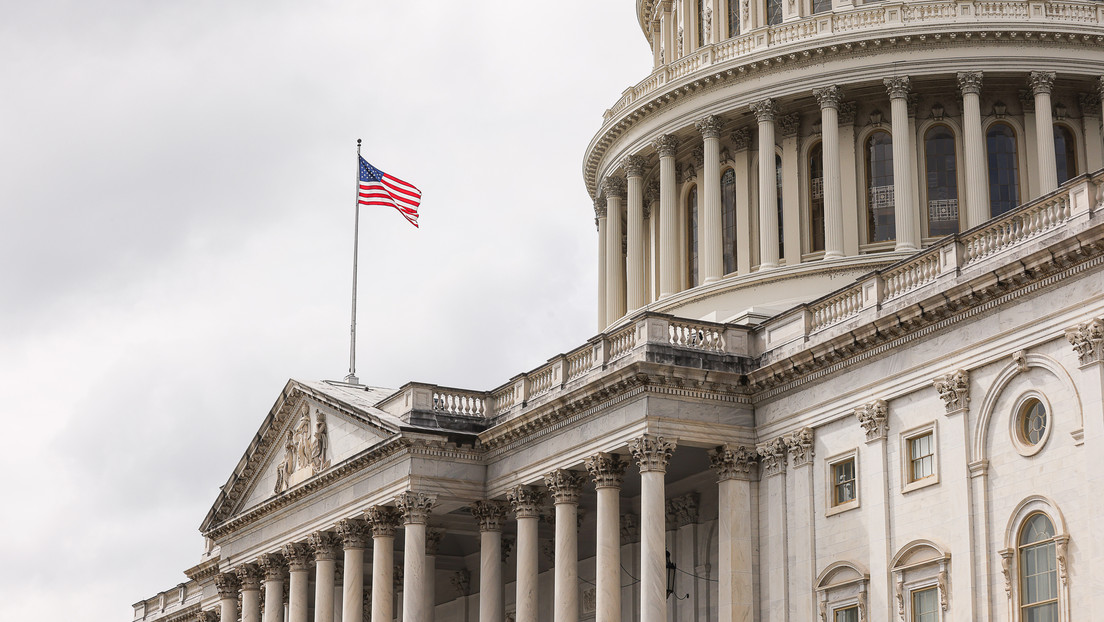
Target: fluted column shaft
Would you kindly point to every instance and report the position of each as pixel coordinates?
(354, 539)
(615, 265)
(250, 577)
(652, 453)
(829, 99)
(325, 547)
(526, 505)
(299, 562)
(977, 202)
(634, 260)
(600, 219)
(383, 520)
(710, 259)
(608, 472)
(904, 212)
(1041, 84)
(669, 280)
(768, 192)
(565, 487)
(491, 603)
(275, 566)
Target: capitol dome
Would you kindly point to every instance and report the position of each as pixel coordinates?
(782, 148)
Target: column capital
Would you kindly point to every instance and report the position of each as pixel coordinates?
(733, 462)
(490, 514)
(683, 511)
(614, 186)
(789, 124)
(1100, 86)
(250, 576)
(874, 418)
(565, 486)
(764, 110)
(1041, 82)
(353, 533)
(666, 145)
(741, 139)
(384, 520)
(607, 470)
(415, 506)
(634, 166)
(1089, 103)
(652, 453)
(969, 82)
(954, 389)
(227, 584)
(599, 208)
(1088, 341)
(709, 126)
(274, 566)
(205, 616)
(772, 456)
(526, 501)
(433, 540)
(829, 96)
(897, 87)
(299, 555)
(800, 445)
(847, 113)
(651, 193)
(325, 545)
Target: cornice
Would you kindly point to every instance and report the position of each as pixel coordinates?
(203, 570)
(812, 52)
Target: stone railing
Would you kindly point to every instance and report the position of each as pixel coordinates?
(459, 402)
(1016, 226)
(906, 19)
(911, 275)
(836, 308)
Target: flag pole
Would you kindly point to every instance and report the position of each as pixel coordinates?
(352, 378)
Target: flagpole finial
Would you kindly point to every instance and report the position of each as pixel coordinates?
(358, 142)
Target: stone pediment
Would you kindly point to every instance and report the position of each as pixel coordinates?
(311, 427)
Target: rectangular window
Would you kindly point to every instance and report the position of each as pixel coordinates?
(843, 482)
(925, 605)
(921, 456)
(850, 614)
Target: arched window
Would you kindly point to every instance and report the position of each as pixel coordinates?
(879, 187)
(701, 23)
(774, 12)
(816, 198)
(728, 220)
(778, 194)
(1065, 153)
(733, 17)
(692, 235)
(942, 172)
(1038, 566)
(1004, 175)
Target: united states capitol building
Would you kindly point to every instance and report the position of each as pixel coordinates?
(849, 361)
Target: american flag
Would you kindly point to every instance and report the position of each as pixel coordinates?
(379, 188)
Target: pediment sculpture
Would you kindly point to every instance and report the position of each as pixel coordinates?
(304, 452)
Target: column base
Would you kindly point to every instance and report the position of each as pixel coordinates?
(767, 266)
(830, 256)
(905, 247)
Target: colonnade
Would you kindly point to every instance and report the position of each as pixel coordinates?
(625, 281)
(350, 537)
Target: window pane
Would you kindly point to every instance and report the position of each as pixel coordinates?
(879, 183)
(1033, 422)
(851, 614)
(1036, 529)
(1065, 153)
(1041, 613)
(925, 605)
(733, 17)
(701, 24)
(728, 220)
(774, 12)
(843, 477)
(820, 6)
(692, 234)
(778, 194)
(922, 456)
(816, 199)
(1004, 178)
(939, 154)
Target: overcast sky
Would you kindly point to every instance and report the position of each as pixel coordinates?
(176, 211)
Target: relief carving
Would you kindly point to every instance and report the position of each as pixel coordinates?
(954, 389)
(304, 452)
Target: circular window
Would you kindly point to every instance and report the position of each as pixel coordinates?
(1031, 423)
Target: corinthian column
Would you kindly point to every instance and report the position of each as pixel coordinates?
(298, 556)
(710, 260)
(615, 265)
(250, 576)
(1042, 82)
(600, 222)
(904, 212)
(526, 502)
(652, 453)
(490, 515)
(734, 466)
(669, 280)
(228, 584)
(973, 144)
(634, 260)
(433, 543)
(274, 566)
(765, 111)
(608, 471)
(383, 521)
(829, 99)
(354, 538)
(325, 546)
(415, 507)
(565, 487)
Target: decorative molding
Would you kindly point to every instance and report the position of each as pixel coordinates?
(772, 457)
(897, 87)
(490, 514)
(800, 446)
(733, 462)
(526, 501)
(829, 96)
(325, 545)
(954, 388)
(764, 110)
(634, 166)
(607, 470)
(666, 145)
(874, 418)
(1006, 570)
(299, 555)
(354, 533)
(1087, 340)
(709, 126)
(1019, 359)
(682, 511)
(969, 82)
(1041, 82)
(415, 506)
(652, 453)
(383, 520)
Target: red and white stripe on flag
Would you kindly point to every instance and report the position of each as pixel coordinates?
(380, 189)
